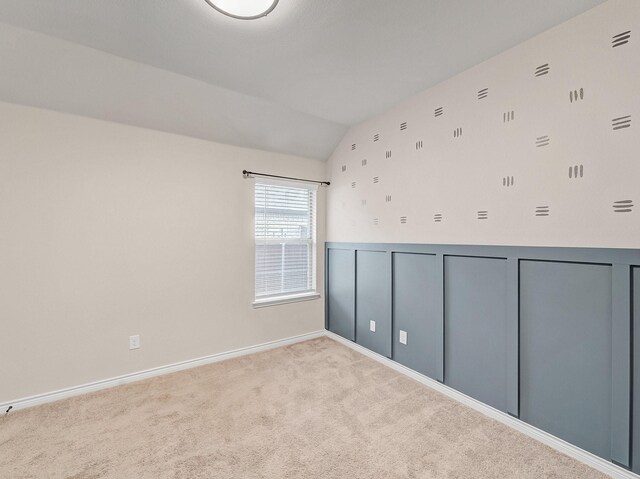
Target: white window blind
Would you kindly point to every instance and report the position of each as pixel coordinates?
(285, 230)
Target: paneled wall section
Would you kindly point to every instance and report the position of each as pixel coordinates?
(544, 334)
(475, 325)
(566, 351)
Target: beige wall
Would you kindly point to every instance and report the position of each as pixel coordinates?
(459, 176)
(110, 230)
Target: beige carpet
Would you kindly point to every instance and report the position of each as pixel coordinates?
(312, 410)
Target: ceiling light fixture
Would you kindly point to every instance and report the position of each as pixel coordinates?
(244, 9)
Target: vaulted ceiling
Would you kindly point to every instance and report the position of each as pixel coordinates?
(291, 82)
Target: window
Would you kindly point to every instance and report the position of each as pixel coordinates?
(285, 235)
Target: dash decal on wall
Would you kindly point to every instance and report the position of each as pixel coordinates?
(344, 168)
(542, 70)
(508, 116)
(387, 154)
(375, 221)
(482, 94)
(387, 198)
(542, 211)
(542, 141)
(403, 220)
(419, 145)
(507, 181)
(575, 95)
(483, 215)
(622, 122)
(623, 206)
(438, 112)
(437, 218)
(621, 39)
(576, 171)
(376, 179)
(364, 162)
(353, 147)
(403, 126)
(353, 184)
(376, 137)
(457, 133)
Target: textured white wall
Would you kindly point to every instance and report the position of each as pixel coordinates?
(458, 176)
(110, 230)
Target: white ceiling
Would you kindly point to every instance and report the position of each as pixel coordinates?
(292, 82)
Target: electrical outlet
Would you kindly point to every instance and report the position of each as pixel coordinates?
(134, 342)
(403, 337)
(372, 326)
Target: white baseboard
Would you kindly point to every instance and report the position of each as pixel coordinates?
(558, 444)
(149, 373)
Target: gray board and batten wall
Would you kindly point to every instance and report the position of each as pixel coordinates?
(543, 334)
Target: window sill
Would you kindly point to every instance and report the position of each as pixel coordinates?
(293, 298)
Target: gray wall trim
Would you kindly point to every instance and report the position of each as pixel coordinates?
(513, 335)
(326, 289)
(440, 306)
(635, 370)
(580, 255)
(390, 312)
(621, 365)
(355, 300)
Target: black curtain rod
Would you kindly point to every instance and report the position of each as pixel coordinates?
(248, 174)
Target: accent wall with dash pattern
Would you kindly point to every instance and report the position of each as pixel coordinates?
(537, 146)
(486, 232)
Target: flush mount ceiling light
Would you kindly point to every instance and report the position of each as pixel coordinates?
(244, 9)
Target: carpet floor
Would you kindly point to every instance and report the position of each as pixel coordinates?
(315, 409)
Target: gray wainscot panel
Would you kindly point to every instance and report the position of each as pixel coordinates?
(373, 301)
(476, 328)
(417, 313)
(636, 370)
(545, 334)
(565, 351)
(341, 292)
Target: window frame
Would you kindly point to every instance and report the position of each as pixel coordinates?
(287, 297)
